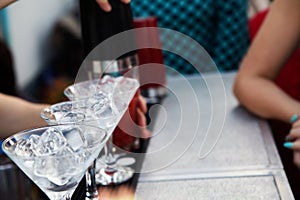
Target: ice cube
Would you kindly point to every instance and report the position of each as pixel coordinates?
(72, 117)
(25, 147)
(105, 112)
(50, 142)
(106, 85)
(75, 139)
(106, 118)
(33, 141)
(83, 90)
(99, 103)
(124, 90)
(58, 169)
(92, 88)
(119, 103)
(126, 85)
(65, 107)
(99, 98)
(62, 166)
(29, 163)
(57, 117)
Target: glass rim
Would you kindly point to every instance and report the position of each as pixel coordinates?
(44, 128)
(74, 85)
(56, 122)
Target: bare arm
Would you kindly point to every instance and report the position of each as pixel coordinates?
(4, 3)
(278, 37)
(17, 114)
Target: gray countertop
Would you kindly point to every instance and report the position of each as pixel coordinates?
(206, 146)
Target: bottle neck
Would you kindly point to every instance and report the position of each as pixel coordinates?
(120, 65)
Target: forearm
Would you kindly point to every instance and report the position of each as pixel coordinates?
(262, 97)
(4, 3)
(255, 87)
(17, 114)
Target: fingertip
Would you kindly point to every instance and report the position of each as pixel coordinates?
(106, 8)
(287, 138)
(126, 1)
(288, 145)
(104, 5)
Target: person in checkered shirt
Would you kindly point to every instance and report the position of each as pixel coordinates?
(220, 27)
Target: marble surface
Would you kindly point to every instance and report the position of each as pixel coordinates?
(245, 188)
(205, 142)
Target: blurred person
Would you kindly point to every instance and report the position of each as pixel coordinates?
(220, 27)
(7, 76)
(257, 86)
(64, 57)
(16, 114)
(271, 48)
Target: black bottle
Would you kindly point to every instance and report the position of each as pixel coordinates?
(98, 25)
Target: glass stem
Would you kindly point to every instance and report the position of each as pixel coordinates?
(110, 159)
(91, 186)
(67, 198)
(60, 196)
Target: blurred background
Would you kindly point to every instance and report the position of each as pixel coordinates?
(43, 39)
(41, 48)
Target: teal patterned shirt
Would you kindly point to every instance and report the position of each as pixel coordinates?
(219, 26)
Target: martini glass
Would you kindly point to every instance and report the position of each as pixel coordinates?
(56, 158)
(119, 92)
(72, 112)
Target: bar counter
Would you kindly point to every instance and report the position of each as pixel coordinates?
(206, 146)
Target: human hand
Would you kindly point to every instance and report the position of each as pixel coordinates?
(296, 147)
(133, 124)
(293, 141)
(141, 119)
(104, 4)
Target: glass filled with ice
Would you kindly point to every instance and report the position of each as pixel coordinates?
(56, 157)
(107, 100)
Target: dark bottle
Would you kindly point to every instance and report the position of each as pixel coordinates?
(98, 25)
